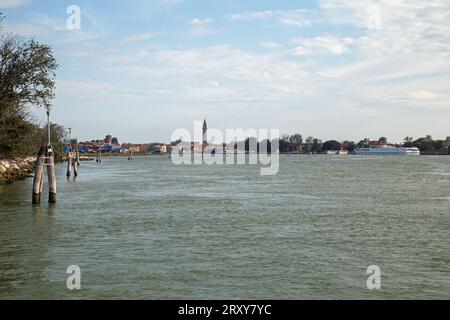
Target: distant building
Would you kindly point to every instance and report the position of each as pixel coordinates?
(135, 148)
(158, 148)
(376, 144)
(108, 139)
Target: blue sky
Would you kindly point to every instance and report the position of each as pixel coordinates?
(344, 69)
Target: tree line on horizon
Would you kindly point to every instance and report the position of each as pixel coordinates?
(295, 144)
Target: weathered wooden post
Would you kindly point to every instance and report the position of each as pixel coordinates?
(75, 167)
(99, 156)
(39, 176)
(78, 157)
(45, 158)
(51, 171)
(69, 165)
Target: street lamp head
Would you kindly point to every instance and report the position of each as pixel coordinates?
(48, 108)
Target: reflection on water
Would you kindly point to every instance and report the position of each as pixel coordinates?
(149, 229)
(49, 210)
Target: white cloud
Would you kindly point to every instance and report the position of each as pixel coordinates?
(138, 37)
(13, 3)
(405, 26)
(423, 95)
(248, 16)
(50, 23)
(25, 29)
(170, 2)
(199, 22)
(321, 45)
(56, 29)
(214, 84)
(201, 31)
(270, 45)
(299, 17)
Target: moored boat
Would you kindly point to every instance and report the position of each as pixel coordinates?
(388, 151)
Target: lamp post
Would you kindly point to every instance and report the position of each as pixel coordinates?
(70, 139)
(49, 108)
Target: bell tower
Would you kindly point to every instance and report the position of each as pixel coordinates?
(205, 136)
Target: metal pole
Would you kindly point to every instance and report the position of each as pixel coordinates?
(48, 127)
(70, 139)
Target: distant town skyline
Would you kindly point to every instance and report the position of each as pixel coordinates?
(332, 69)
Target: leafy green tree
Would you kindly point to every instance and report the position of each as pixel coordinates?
(296, 141)
(383, 140)
(331, 145)
(317, 146)
(424, 144)
(408, 142)
(350, 146)
(309, 140)
(365, 143)
(439, 145)
(285, 144)
(27, 72)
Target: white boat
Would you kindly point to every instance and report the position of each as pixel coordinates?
(388, 151)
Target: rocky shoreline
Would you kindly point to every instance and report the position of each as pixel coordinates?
(15, 169)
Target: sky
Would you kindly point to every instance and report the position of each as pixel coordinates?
(332, 69)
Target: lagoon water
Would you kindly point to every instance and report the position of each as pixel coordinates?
(146, 229)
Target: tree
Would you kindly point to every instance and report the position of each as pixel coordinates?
(284, 144)
(350, 146)
(365, 143)
(408, 139)
(407, 142)
(27, 72)
(313, 145)
(331, 145)
(439, 145)
(317, 146)
(447, 145)
(424, 144)
(309, 140)
(383, 140)
(296, 141)
(251, 145)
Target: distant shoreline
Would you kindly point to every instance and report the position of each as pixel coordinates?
(92, 156)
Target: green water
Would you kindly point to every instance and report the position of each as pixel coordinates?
(146, 229)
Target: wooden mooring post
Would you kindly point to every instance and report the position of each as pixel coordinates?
(99, 156)
(69, 166)
(73, 162)
(75, 167)
(44, 159)
(51, 172)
